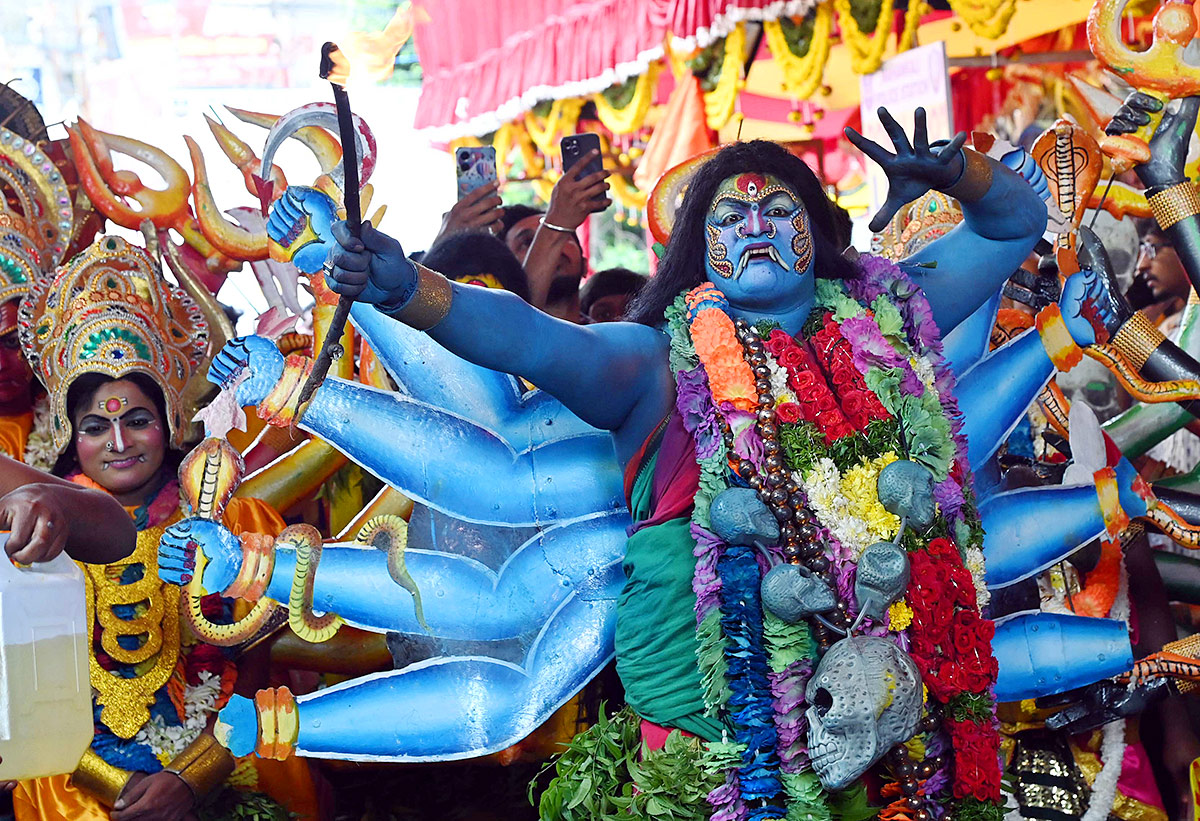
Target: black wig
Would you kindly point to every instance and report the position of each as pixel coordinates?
(682, 266)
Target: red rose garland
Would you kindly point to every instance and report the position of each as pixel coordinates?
(951, 645)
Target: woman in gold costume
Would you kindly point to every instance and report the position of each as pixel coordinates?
(115, 346)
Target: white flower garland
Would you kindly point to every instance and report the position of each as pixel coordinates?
(822, 486)
(199, 702)
(39, 446)
(1112, 744)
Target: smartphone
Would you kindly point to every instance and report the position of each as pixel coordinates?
(575, 146)
(476, 167)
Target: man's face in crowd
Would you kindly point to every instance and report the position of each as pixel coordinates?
(15, 373)
(1159, 264)
(609, 308)
(520, 237)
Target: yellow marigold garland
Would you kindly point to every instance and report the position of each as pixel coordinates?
(563, 116)
(912, 19)
(859, 485)
(719, 103)
(630, 117)
(866, 51)
(987, 18)
(802, 74)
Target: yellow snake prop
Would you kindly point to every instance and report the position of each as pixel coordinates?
(389, 533)
(208, 478)
(306, 540)
(1176, 390)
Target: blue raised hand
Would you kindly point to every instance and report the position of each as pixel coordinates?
(254, 353)
(182, 540)
(915, 167)
(371, 268)
(299, 224)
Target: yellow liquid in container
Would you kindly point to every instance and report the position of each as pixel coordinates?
(45, 689)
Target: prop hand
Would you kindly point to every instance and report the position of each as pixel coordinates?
(301, 223)
(574, 197)
(177, 554)
(479, 210)
(1169, 145)
(1133, 114)
(1092, 305)
(254, 353)
(913, 169)
(372, 269)
(162, 796)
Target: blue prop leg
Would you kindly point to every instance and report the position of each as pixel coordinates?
(462, 598)
(450, 708)
(995, 393)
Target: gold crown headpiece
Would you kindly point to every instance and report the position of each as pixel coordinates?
(916, 225)
(36, 214)
(110, 311)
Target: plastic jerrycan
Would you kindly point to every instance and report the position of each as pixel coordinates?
(45, 687)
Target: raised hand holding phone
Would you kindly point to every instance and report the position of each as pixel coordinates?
(475, 167)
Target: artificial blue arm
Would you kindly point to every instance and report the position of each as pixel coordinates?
(970, 340)
(455, 466)
(461, 597)
(427, 372)
(994, 394)
(450, 708)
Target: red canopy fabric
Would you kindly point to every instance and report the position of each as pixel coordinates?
(486, 63)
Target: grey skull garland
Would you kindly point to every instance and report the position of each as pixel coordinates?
(865, 694)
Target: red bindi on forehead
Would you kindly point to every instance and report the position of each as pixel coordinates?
(751, 184)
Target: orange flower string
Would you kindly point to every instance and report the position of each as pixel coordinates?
(715, 339)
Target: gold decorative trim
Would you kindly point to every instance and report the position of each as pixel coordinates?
(430, 304)
(1137, 339)
(100, 779)
(975, 180)
(203, 765)
(1174, 204)
(125, 702)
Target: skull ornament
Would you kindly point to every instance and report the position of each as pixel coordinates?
(864, 697)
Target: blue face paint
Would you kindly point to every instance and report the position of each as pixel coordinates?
(759, 244)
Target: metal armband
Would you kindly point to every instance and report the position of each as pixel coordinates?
(1174, 204)
(98, 778)
(1136, 339)
(975, 180)
(429, 305)
(203, 766)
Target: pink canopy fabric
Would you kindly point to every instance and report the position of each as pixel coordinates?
(486, 63)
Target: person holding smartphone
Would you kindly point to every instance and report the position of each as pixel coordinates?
(554, 263)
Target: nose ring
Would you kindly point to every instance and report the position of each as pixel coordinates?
(108, 446)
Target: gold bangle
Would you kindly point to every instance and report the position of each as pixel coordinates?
(1056, 339)
(258, 550)
(278, 723)
(278, 408)
(1137, 339)
(203, 766)
(431, 302)
(1174, 204)
(1108, 494)
(975, 180)
(98, 778)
